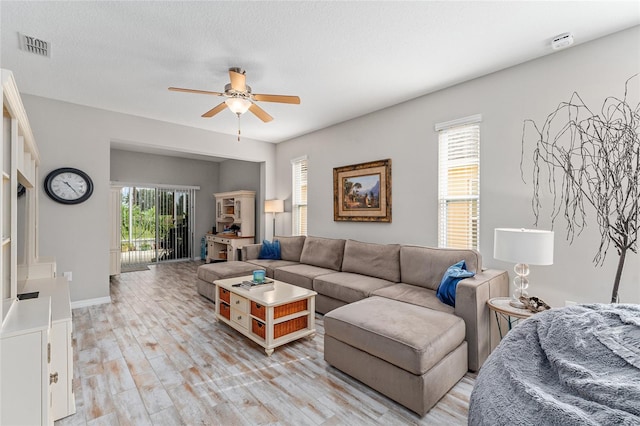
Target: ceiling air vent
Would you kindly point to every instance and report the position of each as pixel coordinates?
(35, 45)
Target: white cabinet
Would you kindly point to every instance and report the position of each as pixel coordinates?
(25, 368)
(35, 334)
(57, 289)
(235, 225)
(236, 208)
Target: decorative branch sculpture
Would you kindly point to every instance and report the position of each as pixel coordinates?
(592, 159)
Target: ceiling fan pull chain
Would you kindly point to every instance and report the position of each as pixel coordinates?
(238, 127)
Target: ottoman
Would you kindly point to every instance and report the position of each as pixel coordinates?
(412, 354)
(210, 272)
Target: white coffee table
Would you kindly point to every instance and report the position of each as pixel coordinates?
(270, 317)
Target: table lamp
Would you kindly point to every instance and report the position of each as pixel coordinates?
(524, 247)
(273, 207)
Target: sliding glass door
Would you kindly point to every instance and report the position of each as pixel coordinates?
(157, 225)
(174, 223)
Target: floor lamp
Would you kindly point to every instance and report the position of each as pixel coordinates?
(273, 207)
(524, 247)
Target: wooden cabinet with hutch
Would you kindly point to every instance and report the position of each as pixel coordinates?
(235, 225)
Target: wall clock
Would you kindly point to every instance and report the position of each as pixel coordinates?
(68, 185)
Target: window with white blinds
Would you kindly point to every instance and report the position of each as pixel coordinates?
(459, 183)
(299, 210)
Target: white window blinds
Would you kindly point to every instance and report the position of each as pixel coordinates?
(299, 202)
(459, 183)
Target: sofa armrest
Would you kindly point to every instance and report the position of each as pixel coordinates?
(472, 295)
(251, 251)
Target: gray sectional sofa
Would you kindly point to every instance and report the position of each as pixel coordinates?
(383, 323)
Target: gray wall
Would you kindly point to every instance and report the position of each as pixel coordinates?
(136, 167)
(78, 136)
(405, 133)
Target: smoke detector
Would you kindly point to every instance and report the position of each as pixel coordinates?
(561, 41)
(34, 45)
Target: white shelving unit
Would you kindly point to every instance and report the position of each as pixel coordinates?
(20, 160)
(36, 358)
(236, 208)
(232, 208)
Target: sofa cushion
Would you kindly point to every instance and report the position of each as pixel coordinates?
(300, 274)
(425, 266)
(415, 295)
(408, 336)
(270, 265)
(348, 287)
(270, 250)
(375, 260)
(291, 247)
(220, 270)
(323, 252)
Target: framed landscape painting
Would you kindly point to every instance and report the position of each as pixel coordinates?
(362, 192)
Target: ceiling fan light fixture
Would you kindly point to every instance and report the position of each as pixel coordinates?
(238, 105)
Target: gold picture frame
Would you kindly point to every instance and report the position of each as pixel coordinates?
(362, 192)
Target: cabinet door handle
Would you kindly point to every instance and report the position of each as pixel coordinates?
(258, 306)
(237, 302)
(239, 318)
(53, 378)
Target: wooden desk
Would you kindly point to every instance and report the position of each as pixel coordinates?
(222, 247)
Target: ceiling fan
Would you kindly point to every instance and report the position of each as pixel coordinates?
(239, 98)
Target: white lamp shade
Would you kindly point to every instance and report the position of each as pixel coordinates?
(530, 246)
(238, 105)
(274, 206)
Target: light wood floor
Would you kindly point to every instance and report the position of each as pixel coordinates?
(156, 355)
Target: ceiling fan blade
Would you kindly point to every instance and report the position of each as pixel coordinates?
(277, 98)
(214, 111)
(238, 81)
(201, 92)
(260, 113)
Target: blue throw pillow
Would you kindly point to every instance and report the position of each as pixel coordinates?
(270, 250)
(447, 288)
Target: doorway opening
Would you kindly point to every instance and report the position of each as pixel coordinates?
(157, 225)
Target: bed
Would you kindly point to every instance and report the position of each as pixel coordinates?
(578, 365)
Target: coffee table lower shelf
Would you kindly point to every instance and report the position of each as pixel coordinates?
(269, 317)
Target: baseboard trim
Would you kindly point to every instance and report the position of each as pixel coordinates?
(90, 302)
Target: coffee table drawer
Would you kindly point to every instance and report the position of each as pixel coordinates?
(240, 318)
(258, 328)
(258, 310)
(223, 294)
(225, 311)
(239, 303)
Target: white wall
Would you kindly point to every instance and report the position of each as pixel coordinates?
(136, 167)
(405, 133)
(78, 136)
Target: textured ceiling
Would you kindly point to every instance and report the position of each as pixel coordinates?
(344, 59)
